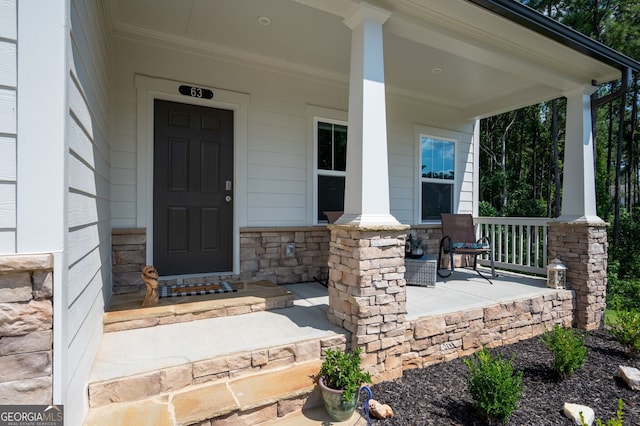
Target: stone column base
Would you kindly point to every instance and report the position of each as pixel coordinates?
(367, 294)
(583, 248)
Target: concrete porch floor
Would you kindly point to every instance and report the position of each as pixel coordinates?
(130, 352)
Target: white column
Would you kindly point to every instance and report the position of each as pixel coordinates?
(476, 169)
(42, 113)
(579, 189)
(367, 179)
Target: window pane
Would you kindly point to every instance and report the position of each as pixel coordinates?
(325, 146)
(436, 198)
(340, 147)
(330, 195)
(438, 158)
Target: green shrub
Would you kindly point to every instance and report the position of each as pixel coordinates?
(626, 329)
(493, 385)
(568, 350)
(486, 209)
(623, 291)
(611, 422)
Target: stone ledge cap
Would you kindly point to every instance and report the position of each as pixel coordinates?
(358, 227)
(25, 262)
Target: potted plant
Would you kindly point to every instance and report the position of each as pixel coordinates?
(340, 378)
(417, 249)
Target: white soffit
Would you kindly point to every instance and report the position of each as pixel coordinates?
(487, 62)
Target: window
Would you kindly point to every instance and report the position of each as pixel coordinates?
(437, 176)
(331, 138)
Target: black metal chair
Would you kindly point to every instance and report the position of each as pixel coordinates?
(458, 237)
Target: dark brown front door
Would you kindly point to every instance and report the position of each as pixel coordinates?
(192, 189)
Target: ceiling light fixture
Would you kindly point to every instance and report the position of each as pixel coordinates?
(264, 20)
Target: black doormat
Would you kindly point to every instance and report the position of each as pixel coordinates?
(195, 289)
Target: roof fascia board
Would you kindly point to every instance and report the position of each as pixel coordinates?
(534, 20)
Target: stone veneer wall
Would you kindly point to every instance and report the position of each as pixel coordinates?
(263, 254)
(583, 248)
(26, 329)
(440, 338)
(430, 235)
(128, 257)
(367, 294)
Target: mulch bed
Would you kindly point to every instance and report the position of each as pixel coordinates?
(437, 395)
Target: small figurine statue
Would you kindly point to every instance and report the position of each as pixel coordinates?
(150, 278)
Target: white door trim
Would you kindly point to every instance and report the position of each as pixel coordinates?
(147, 90)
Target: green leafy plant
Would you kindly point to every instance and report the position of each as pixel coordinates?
(493, 385)
(611, 422)
(341, 370)
(626, 329)
(568, 350)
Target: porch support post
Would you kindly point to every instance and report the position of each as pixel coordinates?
(579, 185)
(583, 248)
(367, 175)
(579, 237)
(367, 294)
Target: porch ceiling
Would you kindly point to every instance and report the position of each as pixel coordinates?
(487, 63)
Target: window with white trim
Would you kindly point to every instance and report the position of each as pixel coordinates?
(437, 176)
(331, 155)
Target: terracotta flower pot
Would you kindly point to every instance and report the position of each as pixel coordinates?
(338, 410)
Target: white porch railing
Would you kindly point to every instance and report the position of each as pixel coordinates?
(519, 243)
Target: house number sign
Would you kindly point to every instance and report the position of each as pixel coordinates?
(195, 92)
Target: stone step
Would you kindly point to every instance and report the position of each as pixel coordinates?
(125, 311)
(315, 416)
(247, 400)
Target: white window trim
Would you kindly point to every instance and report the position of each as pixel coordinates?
(316, 114)
(439, 134)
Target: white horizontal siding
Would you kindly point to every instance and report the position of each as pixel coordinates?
(8, 58)
(92, 286)
(7, 111)
(278, 159)
(88, 215)
(7, 205)
(81, 358)
(276, 173)
(287, 187)
(7, 158)
(7, 241)
(84, 240)
(8, 83)
(273, 216)
(8, 19)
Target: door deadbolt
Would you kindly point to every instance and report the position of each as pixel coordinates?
(227, 198)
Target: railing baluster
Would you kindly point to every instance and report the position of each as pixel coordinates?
(519, 243)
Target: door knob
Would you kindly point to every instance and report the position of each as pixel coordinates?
(227, 198)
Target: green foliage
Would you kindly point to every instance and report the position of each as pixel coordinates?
(623, 275)
(568, 350)
(623, 293)
(526, 207)
(487, 210)
(611, 422)
(626, 329)
(493, 385)
(341, 370)
(627, 250)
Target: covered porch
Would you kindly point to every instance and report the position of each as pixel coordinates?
(209, 356)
